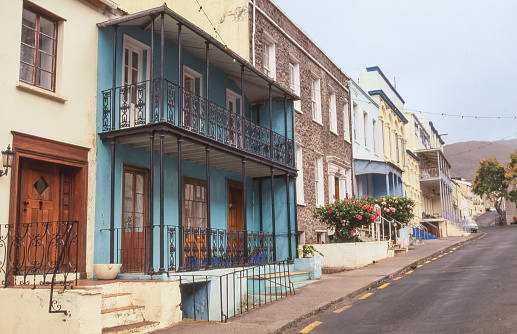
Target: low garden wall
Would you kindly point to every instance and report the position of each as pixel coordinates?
(351, 255)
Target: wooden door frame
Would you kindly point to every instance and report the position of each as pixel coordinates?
(29, 147)
(235, 185)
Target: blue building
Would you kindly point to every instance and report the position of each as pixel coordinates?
(195, 151)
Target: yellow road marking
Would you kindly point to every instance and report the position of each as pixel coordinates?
(409, 272)
(397, 278)
(310, 327)
(420, 265)
(346, 307)
(445, 253)
(366, 296)
(454, 248)
(440, 255)
(434, 258)
(427, 262)
(383, 286)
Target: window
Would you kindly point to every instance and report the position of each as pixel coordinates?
(318, 180)
(346, 122)
(383, 138)
(294, 82)
(268, 57)
(194, 203)
(38, 50)
(193, 85)
(356, 123)
(397, 147)
(332, 113)
(135, 199)
(316, 99)
(374, 133)
(366, 132)
(300, 198)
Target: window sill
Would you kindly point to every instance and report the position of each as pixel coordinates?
(301, 204)
(334, 132)
(298, 111)
(317, 122)
(347, 140)
(41, 92)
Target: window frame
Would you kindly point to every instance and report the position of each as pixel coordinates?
(270, 68)
(316, 99)
(40, 13)
(346, 123)
(128, 169)
(294, 81)
(318, 181)
(194, 182)
(366, 131)
(332, 111)
(300, 194)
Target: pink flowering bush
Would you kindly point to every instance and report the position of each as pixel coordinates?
(347, 215)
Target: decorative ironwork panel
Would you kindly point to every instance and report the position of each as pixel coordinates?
(172, 93)
(171, 241)
(212, 120)
(124, 106)
(106, 110)
(140, 102)
(279, 150)
(156, 97)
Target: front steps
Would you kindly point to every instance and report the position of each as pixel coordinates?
(422, 235)
(264, 289)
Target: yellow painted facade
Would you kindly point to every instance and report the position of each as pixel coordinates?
(230, 18)
(67, 115)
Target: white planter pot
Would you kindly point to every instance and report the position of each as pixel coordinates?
(106, 270)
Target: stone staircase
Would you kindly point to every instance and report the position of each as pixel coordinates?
(270, 287)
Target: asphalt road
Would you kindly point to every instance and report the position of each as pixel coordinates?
(471, 289)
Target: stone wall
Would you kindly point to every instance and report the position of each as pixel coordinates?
(315, 139)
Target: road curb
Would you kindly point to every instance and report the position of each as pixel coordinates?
(373, 284)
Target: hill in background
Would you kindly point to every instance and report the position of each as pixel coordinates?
(464, 157)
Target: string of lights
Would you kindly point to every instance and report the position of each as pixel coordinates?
(485, 145)
(215, 30)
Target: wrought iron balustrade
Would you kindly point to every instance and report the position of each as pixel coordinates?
(429, 173)
(145, 102)
(42, 253)
(227, 248)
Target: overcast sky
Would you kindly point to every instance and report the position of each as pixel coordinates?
(448, 56)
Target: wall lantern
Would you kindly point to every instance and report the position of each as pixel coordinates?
(7, 160)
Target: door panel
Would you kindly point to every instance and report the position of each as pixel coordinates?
(235, 221)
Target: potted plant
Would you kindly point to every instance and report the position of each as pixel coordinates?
(308, 251)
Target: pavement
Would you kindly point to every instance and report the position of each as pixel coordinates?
(330, 290)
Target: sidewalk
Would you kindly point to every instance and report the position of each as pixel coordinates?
(331, 289)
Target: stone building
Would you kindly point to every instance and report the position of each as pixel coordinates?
(283, 51)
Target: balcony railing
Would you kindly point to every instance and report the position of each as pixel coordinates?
(142, 103)
(226, 248)
(429, 173)
(43, 253)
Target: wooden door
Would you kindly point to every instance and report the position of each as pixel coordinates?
(40, 199)
(134, 222)
(235, 222)
(194, 223)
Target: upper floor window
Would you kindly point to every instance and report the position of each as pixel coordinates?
(356, 122)
(300, 198)
(346, 122)
(38, 49)
(366, 132)
(294, 82)
(374, 135)
(318, 180)
(268, 57)
(332, 113)
(316, 99)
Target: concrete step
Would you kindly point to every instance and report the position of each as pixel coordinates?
(120, 316)
(139, 327)
(283, 288)
(116, 300)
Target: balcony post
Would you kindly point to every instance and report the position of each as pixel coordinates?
(208, 213)
(180, 208)
(270, 123)
(207, 101)
(180, 80)
(245, 211)
(288, 215)
(261, 222)
(162, 205)
(114, 85)
(295, 195)
(151, 76)
(151, 200)
(242, 106)
(387, 184)
(273, 214)
(112, 203)
(293, 137)
(162, 50)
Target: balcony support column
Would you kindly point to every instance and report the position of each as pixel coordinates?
(270, 122)
(114, 84)
(112, 203)
(151, 200)
(273, 214)
(151, 76)
(180, 209)
(180, 80)
(242, 107)
(245, 210)
(162, 50)
(208, 212)
(388, 184)
(289, 234)
(261, 221)
(207, 113)
(162, 205)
